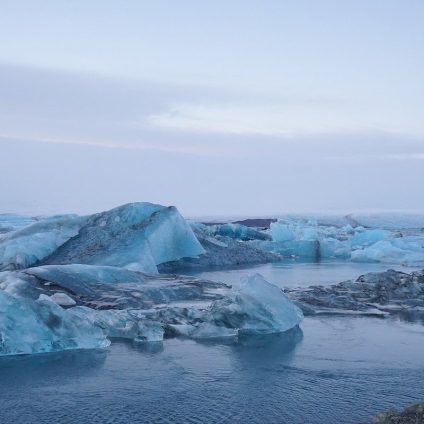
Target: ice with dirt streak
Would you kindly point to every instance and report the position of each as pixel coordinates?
(136, 236)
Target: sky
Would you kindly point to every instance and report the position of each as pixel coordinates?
(223, 107)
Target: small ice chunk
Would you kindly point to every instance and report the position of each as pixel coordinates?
(63, 299)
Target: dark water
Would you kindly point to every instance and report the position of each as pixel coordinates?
(334, 370)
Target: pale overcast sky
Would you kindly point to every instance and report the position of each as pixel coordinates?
(223, 107)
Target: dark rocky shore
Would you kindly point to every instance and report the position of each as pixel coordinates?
(411, 415)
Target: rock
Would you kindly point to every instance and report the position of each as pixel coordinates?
(411, 415)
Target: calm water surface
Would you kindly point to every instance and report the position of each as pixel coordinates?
(293, 274)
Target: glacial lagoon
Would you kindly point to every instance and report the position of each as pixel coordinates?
(81, 283)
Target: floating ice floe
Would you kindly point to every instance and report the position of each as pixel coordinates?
(377, 293)
(256, 307)
(140, 307)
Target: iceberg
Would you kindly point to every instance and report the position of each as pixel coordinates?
(258, 307)
(281, 232)
(137, 236)
(224, 251)
(405, 251)
(255, 307)
(368, 237)
(28, 245)
(28, 326)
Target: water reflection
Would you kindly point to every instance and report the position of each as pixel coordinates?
(151, 348)
(290, 273)
(278, 342)
(269, 348)
(411, 317)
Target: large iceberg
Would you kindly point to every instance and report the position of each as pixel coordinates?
(136, 236)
